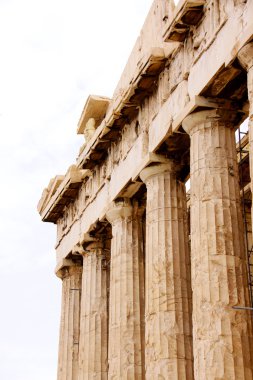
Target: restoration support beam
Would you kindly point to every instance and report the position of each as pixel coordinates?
(245, 57)
(168, 329)
(222, 336)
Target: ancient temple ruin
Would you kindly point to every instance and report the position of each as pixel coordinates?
(154, 217)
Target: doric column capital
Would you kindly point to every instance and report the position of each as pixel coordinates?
(207, 118)
(86, 238)
(150, 171)
(67, 267)
(95, 248)
(120, 209)
(245, 56)
(88, 244)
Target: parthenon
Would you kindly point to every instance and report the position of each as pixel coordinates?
(154, 218)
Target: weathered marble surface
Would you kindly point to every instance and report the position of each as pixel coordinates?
(222, 32)
(93, 351)
(70, 321)
(137, 139)
(222, 336)
(168, 329)
(245, 57)
(126, 344)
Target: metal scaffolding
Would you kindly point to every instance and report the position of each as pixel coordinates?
(246, 198)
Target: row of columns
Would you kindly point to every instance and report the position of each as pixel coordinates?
(186, 328)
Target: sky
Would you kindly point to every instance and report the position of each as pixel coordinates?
(54, 53)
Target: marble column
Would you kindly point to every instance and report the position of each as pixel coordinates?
(93, 321)
(126, 292)
(222, 336)
(168, 330)
(245, 57)
(71, 275)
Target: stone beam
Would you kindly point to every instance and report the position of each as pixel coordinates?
(173, 112)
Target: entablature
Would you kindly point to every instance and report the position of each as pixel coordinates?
(66, 187)
(142, 123)
(49, 192)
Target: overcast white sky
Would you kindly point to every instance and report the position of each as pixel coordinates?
(54, 53)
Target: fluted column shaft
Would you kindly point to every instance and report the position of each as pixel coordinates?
(126, 293)
(93, 323)
(221, 334)
(168, 335)
(70, 322)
